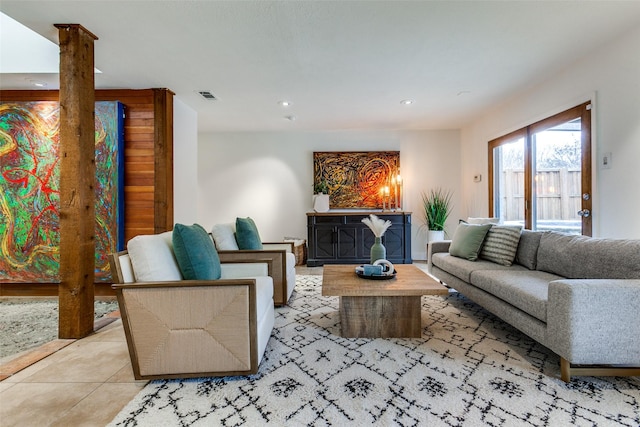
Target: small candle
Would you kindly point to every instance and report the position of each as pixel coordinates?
(386, 196)
(398, 191)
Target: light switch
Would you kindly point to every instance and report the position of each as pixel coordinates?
(606, 160)
(477, 178)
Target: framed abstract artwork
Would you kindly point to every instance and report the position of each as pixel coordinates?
(359, 179)
(30, 194)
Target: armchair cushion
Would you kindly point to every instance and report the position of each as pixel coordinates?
(224, 237)
(152, 258)
(195, 253)
(247, 234)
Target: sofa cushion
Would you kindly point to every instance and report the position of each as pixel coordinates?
(152, 258)
(247, 234)
(582, 257)
(527, 252)
(524, 289)
(467, 240)
(501, 243)
(224, 236)
(462, 268)
(195, 253)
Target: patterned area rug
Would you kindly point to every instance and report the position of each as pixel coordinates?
(468, 369)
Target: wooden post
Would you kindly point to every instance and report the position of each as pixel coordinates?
(77, 181)
(163, 160)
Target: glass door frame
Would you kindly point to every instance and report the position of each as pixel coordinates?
(583, 112)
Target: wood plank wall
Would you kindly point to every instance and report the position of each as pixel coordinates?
(148, 188)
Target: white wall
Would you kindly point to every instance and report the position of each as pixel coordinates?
(185, 159)
(610, 76)
(268, 175)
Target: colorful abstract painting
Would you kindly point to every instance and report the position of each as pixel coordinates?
(30, 194)
(358, 179)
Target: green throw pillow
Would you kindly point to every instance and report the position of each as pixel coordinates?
(195, 253)
(247, 234)
(467, 241)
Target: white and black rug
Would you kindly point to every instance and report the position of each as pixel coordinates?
(468, 369)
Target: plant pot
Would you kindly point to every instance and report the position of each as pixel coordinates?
(321, 202)
(435, 236)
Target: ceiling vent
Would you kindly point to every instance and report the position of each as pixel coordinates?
(207, 95)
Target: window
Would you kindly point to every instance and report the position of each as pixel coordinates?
(540, 176)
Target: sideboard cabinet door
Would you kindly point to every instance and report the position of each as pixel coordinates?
(342, 238)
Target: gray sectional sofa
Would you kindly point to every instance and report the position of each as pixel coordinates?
(576, 295)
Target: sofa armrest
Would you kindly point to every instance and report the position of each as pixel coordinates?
(191, 328)
(594, 321)
(435, 247)
(440, 246)
(286, 246)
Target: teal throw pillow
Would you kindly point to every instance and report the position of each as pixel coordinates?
(467, 241)
(247, 234)
(195, 253)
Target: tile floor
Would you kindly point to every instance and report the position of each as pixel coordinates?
(83, 382)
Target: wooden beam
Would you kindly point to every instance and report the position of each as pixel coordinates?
(77, 181)
(163, 160)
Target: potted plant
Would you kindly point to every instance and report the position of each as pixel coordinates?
(321, 187)
(321, 196)
(437, 207)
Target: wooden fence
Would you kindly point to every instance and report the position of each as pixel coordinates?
(557, 194)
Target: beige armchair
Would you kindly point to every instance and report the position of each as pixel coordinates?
(278, 256)
(191, 328)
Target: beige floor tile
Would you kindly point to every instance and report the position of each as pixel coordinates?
(4, 385)
(83, 362)
(101, 406)
(125, 375)
(33, 369)
(38, 404)
(112, 332)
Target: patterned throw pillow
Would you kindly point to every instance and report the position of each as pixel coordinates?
(501, 244)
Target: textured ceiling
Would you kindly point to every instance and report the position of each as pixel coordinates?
(342, 65)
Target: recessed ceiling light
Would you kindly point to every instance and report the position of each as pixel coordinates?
(406, 102)
(284, 103)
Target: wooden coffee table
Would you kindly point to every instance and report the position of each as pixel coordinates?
(380, 308)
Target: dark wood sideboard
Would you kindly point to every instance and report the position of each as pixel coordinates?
(342, 238)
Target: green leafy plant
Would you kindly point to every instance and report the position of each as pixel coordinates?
(321, 187)
(437, 207)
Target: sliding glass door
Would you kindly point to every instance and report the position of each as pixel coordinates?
(541, 174)
(509, 179)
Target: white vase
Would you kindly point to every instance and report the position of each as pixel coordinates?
(321, 202)
(435, 236)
